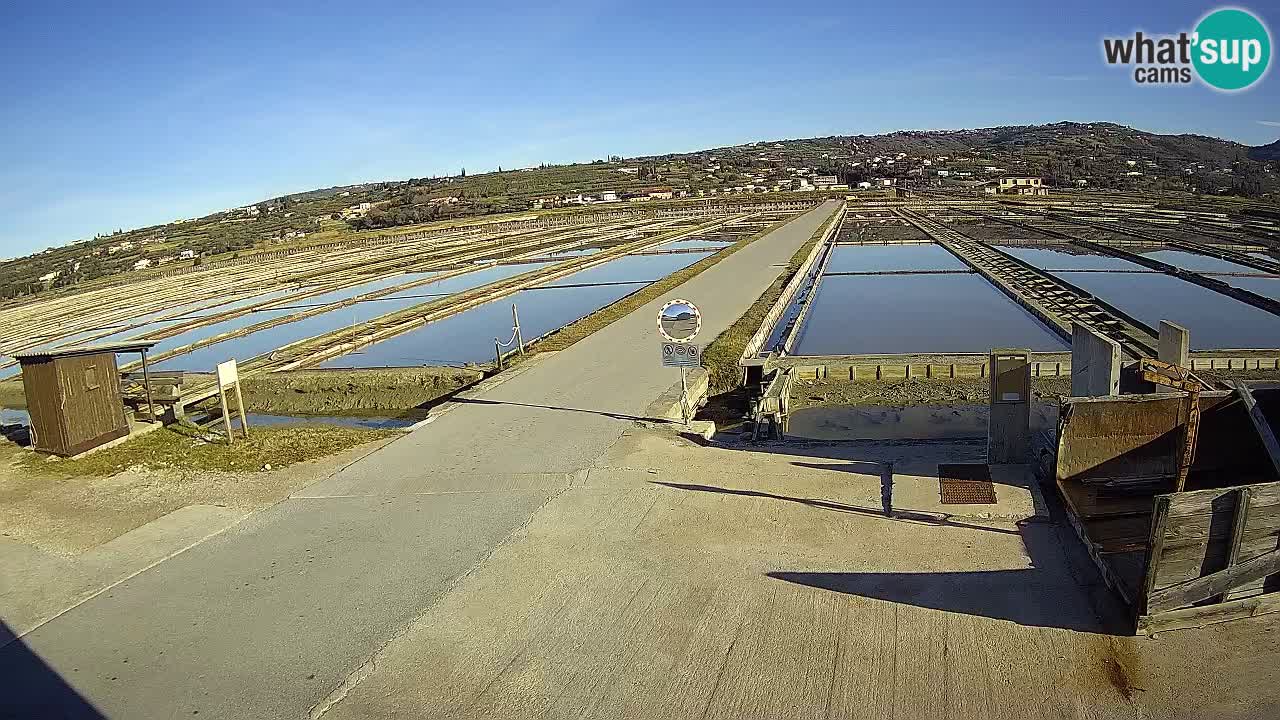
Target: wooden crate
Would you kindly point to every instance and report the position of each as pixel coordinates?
(1177, 559)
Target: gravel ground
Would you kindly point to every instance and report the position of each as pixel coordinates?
(68, 514)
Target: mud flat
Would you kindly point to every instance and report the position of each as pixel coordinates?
(916, 391)
(12, 394)
(318, 392)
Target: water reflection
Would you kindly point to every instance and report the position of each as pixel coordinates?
(468, 336)
(892, 258)
(263, 341)
(632, 268)
(1264, 286)
(1197, 262)
(917, 313)
(1215, 320)
(1049, 258)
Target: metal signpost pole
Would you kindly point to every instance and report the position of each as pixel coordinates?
(684, 398)
(679, 322)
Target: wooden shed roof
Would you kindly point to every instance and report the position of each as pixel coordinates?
(51, 353)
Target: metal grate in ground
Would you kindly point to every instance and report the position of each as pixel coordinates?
(966, 484)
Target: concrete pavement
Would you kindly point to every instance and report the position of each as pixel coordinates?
(679, 581)
(282, 613)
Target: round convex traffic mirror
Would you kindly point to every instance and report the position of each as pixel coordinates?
(679, 320)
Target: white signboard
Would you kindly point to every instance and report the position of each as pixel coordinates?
(228, 378)
(228, 375)
(681, 355)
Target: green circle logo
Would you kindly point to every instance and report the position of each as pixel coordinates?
(1232, 49)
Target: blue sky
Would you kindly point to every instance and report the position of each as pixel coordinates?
(120, 115)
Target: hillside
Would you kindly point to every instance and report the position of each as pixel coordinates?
(1101, 154)
(1266, 152)
(1067, 154)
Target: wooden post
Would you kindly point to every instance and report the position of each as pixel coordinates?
(228, 376)
(1260, 424)
(244, 421)
(1155, 548)
(1190, 434)
(1238, 520)
(497, 352)
(146, 384)
(515, 319)
(226, 413)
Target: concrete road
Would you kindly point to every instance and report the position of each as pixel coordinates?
(678, 581)
(274, 617)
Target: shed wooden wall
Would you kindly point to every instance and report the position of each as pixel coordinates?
(44, 403)
(93, 414)
(70, 414)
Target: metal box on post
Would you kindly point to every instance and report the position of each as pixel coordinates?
(1009, 430)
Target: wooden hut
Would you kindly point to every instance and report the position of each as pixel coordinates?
(73, 396)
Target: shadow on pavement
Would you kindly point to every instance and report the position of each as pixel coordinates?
(30, 688)
(1051, 593)
(1060, 589)
(605, 413)
(900, 515)
(1015, 595)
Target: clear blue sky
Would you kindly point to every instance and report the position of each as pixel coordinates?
(120, 115)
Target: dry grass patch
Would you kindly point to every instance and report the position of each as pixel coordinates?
(721, 357)
(187, 447)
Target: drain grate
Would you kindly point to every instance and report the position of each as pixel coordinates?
(966, 484)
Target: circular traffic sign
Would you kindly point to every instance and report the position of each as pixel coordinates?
(679, 321)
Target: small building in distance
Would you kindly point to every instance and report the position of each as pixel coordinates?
(1017, 185)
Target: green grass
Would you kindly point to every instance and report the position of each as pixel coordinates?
(721, 357)
(186, 447)
(596, 321)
